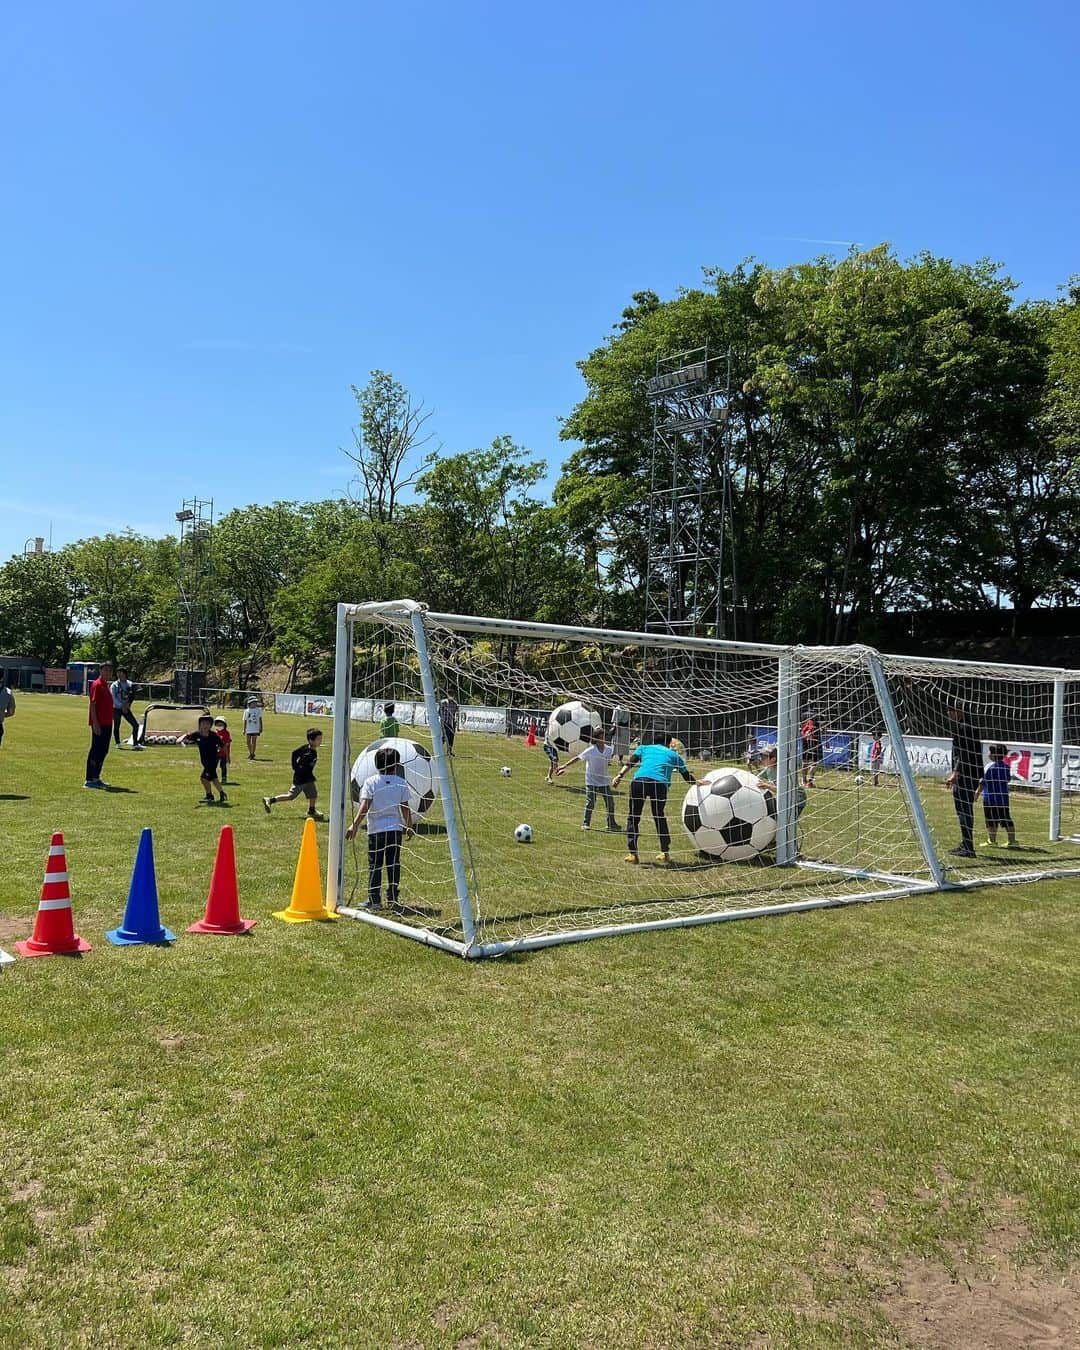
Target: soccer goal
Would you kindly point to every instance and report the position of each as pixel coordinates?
(819, 777)
(169, 723)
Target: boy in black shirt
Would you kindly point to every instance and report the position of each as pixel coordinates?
(304, 758)
(209, 748)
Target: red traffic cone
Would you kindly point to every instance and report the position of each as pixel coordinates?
(54, 927)
(530, 739)
(223, 902)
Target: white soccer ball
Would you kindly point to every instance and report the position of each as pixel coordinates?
(416, 766)
(572, 727)
(731, 818)
(523, 834)
(505, 770)
(859, 780)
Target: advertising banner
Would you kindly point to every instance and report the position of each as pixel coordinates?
(931, 757)
(836, 746)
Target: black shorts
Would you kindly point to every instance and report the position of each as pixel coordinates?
(209, 771)
(996, 815)
(812, 753)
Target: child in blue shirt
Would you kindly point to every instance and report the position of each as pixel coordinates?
(995, 794)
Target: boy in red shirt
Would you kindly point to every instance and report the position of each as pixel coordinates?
(101, 724)
(224, 735)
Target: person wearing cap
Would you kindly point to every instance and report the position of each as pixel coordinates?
(253, 724)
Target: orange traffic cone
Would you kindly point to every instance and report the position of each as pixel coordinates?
(530, 739)
(223, 902)
(54, 927)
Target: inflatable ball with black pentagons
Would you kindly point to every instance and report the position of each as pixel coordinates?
(730, 818)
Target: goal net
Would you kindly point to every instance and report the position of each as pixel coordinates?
(169, 723)
(801, 778)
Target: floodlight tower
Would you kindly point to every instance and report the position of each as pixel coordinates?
(691, 583)
(195, 609)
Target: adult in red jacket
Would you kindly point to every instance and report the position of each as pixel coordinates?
(101, 724)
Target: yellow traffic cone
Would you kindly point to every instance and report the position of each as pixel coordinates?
(307, 902)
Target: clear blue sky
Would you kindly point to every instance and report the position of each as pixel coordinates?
(216, 216)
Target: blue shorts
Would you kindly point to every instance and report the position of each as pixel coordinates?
(551, 753)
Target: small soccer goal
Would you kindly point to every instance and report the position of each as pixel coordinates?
(814, 777)
(169, 723)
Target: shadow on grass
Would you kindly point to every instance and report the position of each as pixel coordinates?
(12, 797)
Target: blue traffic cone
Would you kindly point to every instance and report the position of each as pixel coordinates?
(142, 923)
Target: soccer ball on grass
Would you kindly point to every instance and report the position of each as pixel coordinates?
(523, 834)
(505, 770)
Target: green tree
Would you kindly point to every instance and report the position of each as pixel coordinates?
(389, 444)
(129, 584)
(41, 596)
(486, 544)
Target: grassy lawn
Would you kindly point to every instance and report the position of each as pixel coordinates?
(322, 1134)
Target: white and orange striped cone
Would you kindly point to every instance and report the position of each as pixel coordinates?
(54, 928)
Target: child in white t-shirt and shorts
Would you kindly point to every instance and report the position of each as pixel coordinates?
(253, 725)
(384, 801)
(597, 761)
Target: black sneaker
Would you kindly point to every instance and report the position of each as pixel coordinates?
(223, 799)
(267, 805)
(963, 851)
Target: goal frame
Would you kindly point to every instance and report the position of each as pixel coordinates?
(881, 885)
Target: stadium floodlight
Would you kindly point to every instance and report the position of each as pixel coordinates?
(857, 810)
(185, 515)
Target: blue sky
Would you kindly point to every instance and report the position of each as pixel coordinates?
(218, 216)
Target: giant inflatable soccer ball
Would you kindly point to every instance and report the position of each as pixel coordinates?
(571, 727)
(732, 818)
(416, 764)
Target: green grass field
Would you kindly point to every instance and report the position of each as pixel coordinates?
(321, 1134)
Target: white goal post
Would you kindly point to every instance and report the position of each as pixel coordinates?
(817, 777)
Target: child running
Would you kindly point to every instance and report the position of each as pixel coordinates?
(597, 761)
(384, 801)
(224, 735)
(253, 726)
(654, 766)
(304, 758)
(995, 795)
(209, 744)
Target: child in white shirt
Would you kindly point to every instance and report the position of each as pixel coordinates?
(384, 800)
(252, 727)
(597, 761)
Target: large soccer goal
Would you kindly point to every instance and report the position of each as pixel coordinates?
(854, 748)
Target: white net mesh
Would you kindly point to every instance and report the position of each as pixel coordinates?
(169, 723)
(698, 851)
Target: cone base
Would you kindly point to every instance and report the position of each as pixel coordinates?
(291, 915)
(226, 930)
(31, 948)
(123, 937)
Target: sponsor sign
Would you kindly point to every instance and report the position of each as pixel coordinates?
(836, 746)
(929, 756)
(491, 720)
(520, 718)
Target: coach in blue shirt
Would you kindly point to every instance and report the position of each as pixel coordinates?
(653, 764)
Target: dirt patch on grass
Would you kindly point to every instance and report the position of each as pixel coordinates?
(984, 1298)
(13, 930)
